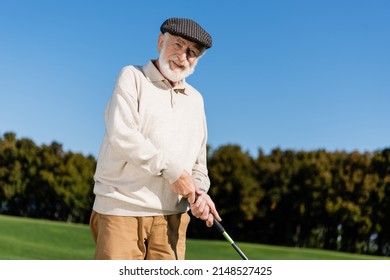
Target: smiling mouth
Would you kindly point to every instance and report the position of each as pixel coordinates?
(177, 65)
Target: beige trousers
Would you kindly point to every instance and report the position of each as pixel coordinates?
(139, 238)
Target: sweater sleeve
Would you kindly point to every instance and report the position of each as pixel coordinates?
(200, 171)
(122, 127)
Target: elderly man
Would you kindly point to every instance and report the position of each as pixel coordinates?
(152, 167)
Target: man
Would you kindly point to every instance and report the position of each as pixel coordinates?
(152, 165)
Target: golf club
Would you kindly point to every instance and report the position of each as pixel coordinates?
(220, 228)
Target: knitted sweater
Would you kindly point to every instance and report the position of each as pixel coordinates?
(153, 133)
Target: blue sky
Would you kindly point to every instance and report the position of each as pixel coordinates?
(290, 74)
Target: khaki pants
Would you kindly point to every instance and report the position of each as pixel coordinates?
(139, 238)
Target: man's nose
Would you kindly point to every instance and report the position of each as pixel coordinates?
(182, 55)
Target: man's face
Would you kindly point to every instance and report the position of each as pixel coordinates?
(178, 57)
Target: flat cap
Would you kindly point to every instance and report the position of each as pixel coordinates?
(188, 29)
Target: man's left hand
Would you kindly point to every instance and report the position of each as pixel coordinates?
(204, 208)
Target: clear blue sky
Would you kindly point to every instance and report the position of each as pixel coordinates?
(291, 74)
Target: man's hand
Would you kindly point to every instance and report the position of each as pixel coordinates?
(185, 186)
(204, 208)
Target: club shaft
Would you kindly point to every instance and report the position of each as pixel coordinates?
(220, 228)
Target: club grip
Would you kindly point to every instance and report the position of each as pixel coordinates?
(218, 226)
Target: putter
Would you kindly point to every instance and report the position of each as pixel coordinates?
(220, 228)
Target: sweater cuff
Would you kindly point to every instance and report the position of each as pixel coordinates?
(201, 186)
(172, 172)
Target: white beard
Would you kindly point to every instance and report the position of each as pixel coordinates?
(174, 75)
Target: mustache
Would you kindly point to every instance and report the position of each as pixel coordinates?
(176, 60)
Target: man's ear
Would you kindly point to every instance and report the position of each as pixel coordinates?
(160, 42)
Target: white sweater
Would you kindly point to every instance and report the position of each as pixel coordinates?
(152, 135)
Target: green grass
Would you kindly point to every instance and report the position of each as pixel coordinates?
(33, 239)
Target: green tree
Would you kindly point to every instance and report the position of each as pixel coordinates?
(12, 180)
(234, 186)
(381, 203)
(44, 182)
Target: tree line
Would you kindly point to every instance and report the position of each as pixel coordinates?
(317, 199)
(44, 181)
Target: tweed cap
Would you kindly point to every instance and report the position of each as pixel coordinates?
(188, 29)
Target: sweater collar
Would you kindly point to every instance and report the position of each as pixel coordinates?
(153, 75)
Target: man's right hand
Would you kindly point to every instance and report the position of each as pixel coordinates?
(185, 186)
